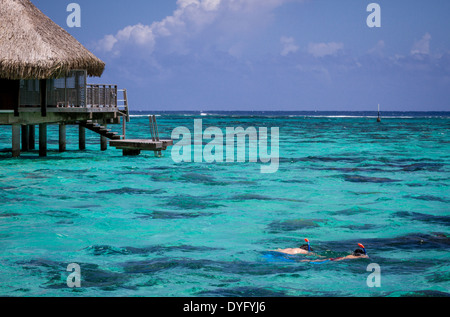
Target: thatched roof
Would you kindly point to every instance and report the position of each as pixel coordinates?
(34, 47)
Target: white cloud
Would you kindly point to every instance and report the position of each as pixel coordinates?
(324, 49)
(192, 17)
(422, 46)
(252, 5)
(107, 43)
(318, 71)
(289, 45)
(139, 34)
(377, 49)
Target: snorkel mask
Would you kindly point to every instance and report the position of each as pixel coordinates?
(362, 246)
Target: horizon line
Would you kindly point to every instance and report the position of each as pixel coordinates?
(375, 111)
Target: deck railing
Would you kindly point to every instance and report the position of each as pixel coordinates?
(85, 96)
(106, 96)
(101, 96)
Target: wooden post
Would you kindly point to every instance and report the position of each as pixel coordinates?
(15, 140)
(25, 139)
(66, 102)
(104, 96)
(98, 96)
(126, 104)
(43, 89)
(103, 142)
(152, 129)
(77, 88)
(31, 137)
(17, 102)
(156, 128)
(62, 137)
(124, 127)
(43, 139)
(82, 138)
(115, 96)
(379, 117)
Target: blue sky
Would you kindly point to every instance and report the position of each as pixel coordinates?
(268, 54)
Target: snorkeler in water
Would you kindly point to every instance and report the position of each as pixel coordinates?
(357, 254)
(304, 249)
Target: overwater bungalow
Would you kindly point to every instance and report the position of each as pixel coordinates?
(44, 75)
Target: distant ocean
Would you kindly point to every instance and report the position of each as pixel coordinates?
(330, 114)
(147, 226)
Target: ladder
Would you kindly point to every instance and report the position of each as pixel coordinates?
(122, 105)
(154, 128)
(154, 132)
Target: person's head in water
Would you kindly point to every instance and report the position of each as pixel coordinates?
(306, 247)
(358, 252)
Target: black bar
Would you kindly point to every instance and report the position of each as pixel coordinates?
(240, 306)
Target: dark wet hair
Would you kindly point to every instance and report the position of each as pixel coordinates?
(305, 247)
(358, 252)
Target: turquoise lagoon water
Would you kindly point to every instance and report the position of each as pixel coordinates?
(146, 226)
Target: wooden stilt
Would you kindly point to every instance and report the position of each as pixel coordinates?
(62, 137)
(31, 137)
(25, 139)
(16, 140)
(43, 139)
(82, 138)
(43, 91)
(103, 142)
(124, 128)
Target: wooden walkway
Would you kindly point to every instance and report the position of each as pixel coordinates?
(134, 147)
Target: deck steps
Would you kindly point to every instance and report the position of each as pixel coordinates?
(131, 147)
(102, 130)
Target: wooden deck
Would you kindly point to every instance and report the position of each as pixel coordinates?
(135, 146)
